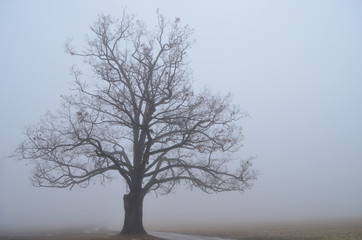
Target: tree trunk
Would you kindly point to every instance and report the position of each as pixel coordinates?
(133, 207)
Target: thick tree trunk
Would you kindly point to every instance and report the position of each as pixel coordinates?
(133, 207)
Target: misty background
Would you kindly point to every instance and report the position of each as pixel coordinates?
(294, 66)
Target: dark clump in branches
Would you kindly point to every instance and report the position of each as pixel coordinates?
(138, 116)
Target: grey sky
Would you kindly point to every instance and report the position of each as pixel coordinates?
(295, 66)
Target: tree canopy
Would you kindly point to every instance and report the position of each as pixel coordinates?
(134, 112)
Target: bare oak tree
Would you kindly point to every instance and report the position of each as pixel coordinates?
(137, 116)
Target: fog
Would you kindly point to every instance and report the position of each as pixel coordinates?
(295, 66)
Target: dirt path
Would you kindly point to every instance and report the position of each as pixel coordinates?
(178, 236)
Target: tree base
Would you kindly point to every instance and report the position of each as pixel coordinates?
(137, 236)
(133, 232)
(133, 224)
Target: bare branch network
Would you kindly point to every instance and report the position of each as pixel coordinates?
(138, 116)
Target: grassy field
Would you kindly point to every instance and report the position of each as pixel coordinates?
(332, 230)
(81, 237)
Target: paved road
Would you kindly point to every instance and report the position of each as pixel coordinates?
(178, 236)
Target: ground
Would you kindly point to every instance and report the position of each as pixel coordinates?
(330, 230)
(83, 237)
(326, 230)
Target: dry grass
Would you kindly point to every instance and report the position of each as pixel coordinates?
(83, 237)
(341, 230)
